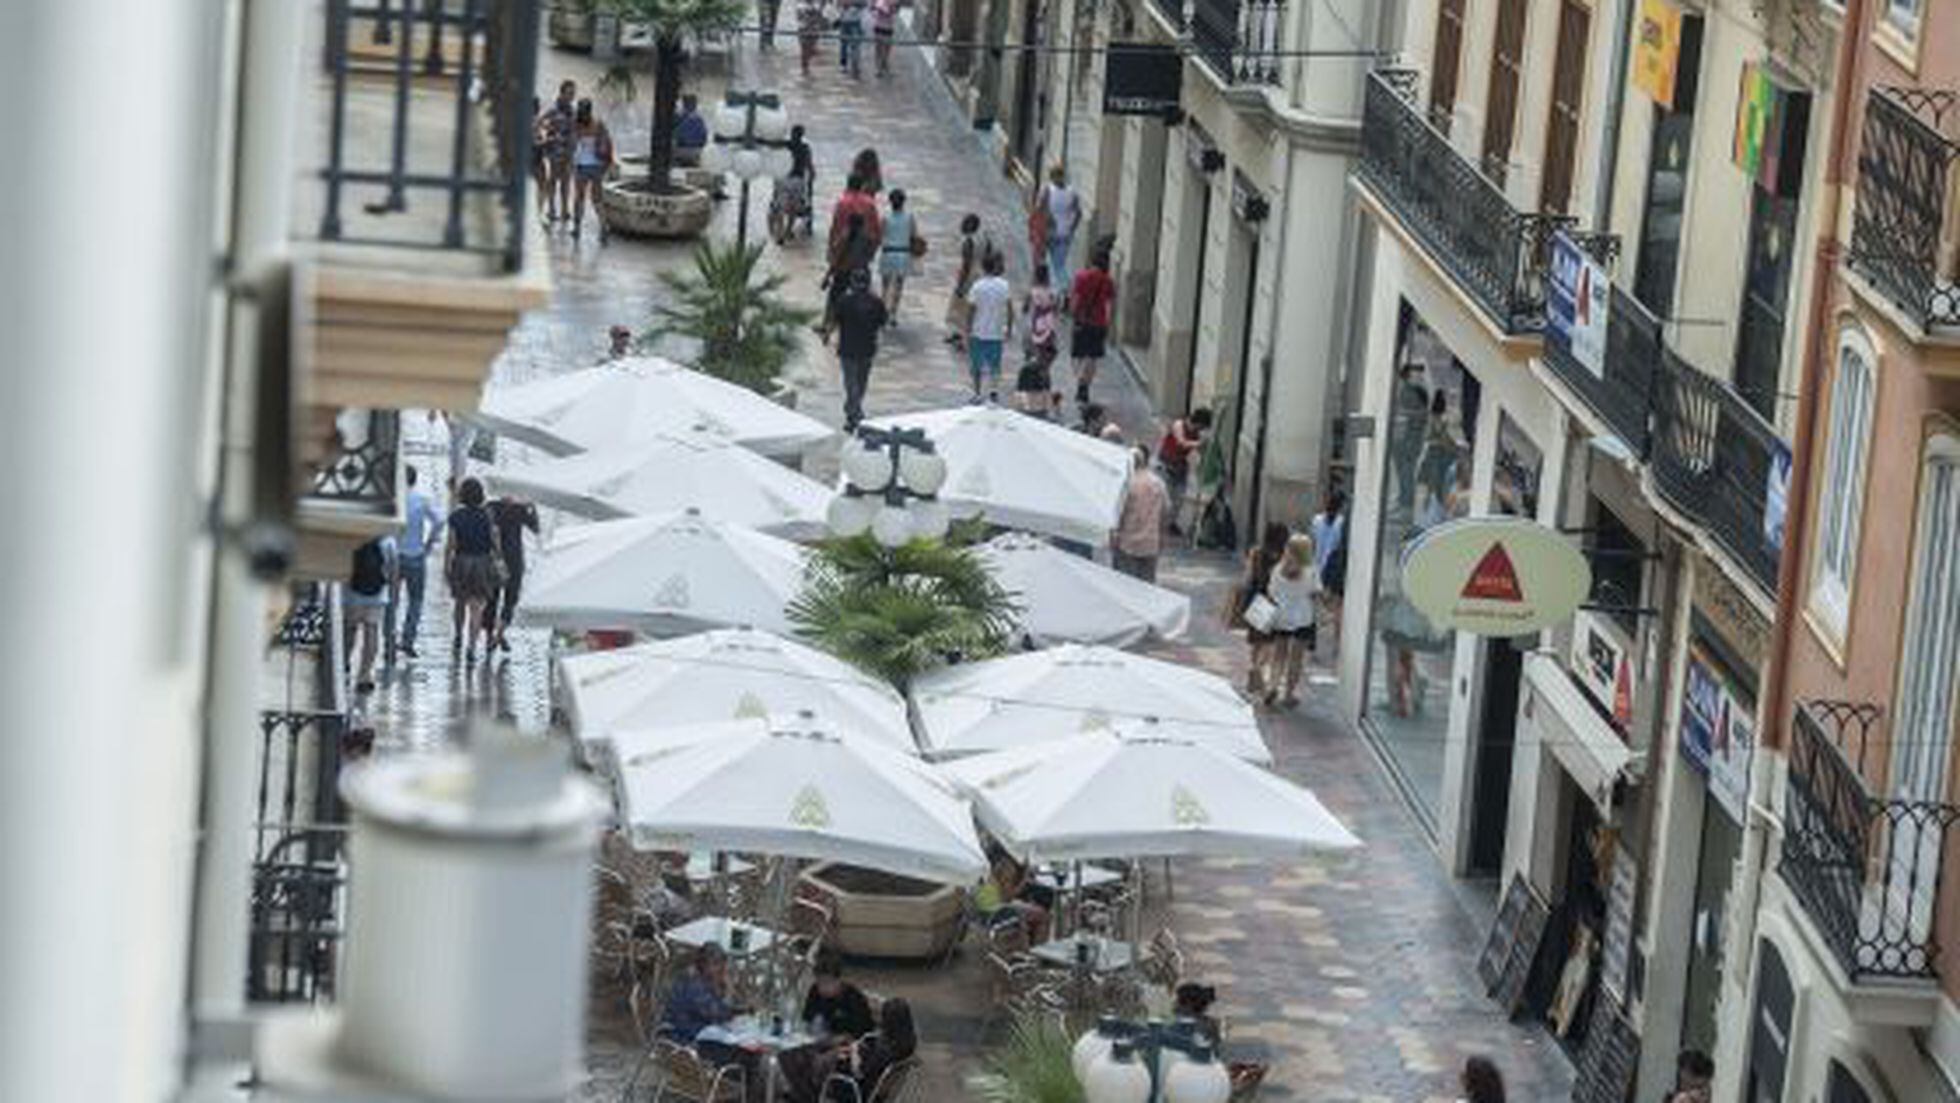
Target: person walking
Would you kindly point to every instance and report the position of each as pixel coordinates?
(1043, 311)
(811, 22)
(555, 128)
(1694, 1078)
(852, 254)
(850, 37)
(1139, 538)
(860, 315)
(870, 174)
(470, 567)
(901, 243)
(364, 602)
(1293, 589)
(1181, 439)
(592, 157)
(855, 199)
(1481, 1082)
(421, 530)
(1092, 298)
(512, 516)
(884, 24)
(1329, 529)
(989, 324)
(1052, 222)
(975, 247)
(1260, 563)
(540, 163)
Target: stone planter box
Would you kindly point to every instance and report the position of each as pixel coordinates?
(883, 915)
(630, 209)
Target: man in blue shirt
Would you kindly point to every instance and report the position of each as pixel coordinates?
(690, 133)
(421, 529)
(698, 999)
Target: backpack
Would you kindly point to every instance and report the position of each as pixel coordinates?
(1216, 527)
(370, 574)
(1333, 577)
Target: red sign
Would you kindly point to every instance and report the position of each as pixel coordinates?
(1623, 695)
(1494, 579)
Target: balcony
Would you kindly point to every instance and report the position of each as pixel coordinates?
(1621, 395)
(1903, 232)
(1239, 40)
(354, 495)
(1171, 12)
(1494, 252)
(423, 255)
(1711, 455)
(1865, 869)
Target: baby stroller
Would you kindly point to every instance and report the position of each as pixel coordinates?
(789, 206)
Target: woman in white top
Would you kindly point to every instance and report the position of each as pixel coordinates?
(1292, 588)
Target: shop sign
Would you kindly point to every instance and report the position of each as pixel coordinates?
(1601, 660)
(1718, 730)
(1142, 79)
(1494, 576)
(1657, 50)
(1576, 297)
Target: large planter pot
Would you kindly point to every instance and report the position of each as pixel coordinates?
(570, 25)
(631, 208)
(883, 915)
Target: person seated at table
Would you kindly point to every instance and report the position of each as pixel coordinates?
(700, 996)
(834, 1008)
(860, 1065)
(1193, 1002)
(1004, 897)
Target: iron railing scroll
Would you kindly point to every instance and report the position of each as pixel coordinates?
(1902, 230)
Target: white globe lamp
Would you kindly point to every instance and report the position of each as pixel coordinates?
(892, 527)
(923, 472)
(931, 518)
(1116, 1077)
(850, 515)
(1092, 1047)
(867, 468)
(1197, 1078)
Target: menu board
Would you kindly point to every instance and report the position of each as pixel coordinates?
(1505, 964)
(1617, 949)
(1609, 1057)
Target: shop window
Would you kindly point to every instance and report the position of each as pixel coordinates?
(1841, 498)
(1432, 426)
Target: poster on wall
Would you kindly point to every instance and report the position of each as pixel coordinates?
(1657, 50)
(1776, 497)
(1718, 730)
(1576, 296)
(1770, 126)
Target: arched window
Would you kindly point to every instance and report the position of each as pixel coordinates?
(1854, 394)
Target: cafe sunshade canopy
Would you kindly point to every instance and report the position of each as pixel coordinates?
(1131, 793)
(794, 787)
(1073, 599)
(629, 401)
(1042, 696)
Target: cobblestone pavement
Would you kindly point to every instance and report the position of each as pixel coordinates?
(1354, 976)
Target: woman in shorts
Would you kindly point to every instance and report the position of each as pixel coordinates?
(592, 157)
(1043, 311)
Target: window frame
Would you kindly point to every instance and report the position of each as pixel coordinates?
(1843, 482)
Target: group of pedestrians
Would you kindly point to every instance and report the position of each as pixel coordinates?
(571, 153)
(1292, 581)
(850, 21)
(482, 544)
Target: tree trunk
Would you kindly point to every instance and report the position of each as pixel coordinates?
(668, 56)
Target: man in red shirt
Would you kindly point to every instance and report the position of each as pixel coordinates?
(856, 200)
(1091, 297)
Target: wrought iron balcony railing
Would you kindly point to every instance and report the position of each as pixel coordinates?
(1239, 39)
(1865, 868)
(362, 472)
(1622, 393)
(1172, 12)
(1902, 232)
(1712, 456)
(1496, 252)
(465, 51)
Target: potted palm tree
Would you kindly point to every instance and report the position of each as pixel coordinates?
(655, 205)
(1033, 1065)
(899, 612)
(745, 332)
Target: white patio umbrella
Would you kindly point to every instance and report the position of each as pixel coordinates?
(1133, 793)
(1023, 472)
(1041, 696)
(629, 401)
(665, 575)
(1072, 599)
(726, 674)
(694, 469)
(795, 787)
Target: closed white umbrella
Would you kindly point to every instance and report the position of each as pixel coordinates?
(1041, 696)
(727, 674)
(1133, 793)
(1069, 598)
(626, 402)
(665, 575)
(694, 470)
(1023, 472)
(795, 787)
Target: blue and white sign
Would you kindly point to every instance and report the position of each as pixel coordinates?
(1576, 296)
(1776, 497)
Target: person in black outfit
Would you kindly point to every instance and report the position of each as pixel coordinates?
(365, 603)
(471, 566)
(860, 315)
(511, 516)
(863, 1063)
(836, 1007)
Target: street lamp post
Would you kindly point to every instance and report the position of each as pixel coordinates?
(751, 140)
(1149, 1062)
(891, 486)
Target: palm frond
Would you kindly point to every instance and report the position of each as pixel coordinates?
(745, 331)
(1034, 1065)
(897, 612)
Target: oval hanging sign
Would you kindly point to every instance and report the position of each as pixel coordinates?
(1495, 576)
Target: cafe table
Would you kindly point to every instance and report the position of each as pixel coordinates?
(1069, 878)
(725, 933)
(1104, 955)
(768, 1038)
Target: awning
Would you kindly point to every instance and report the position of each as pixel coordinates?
(1559, 713)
